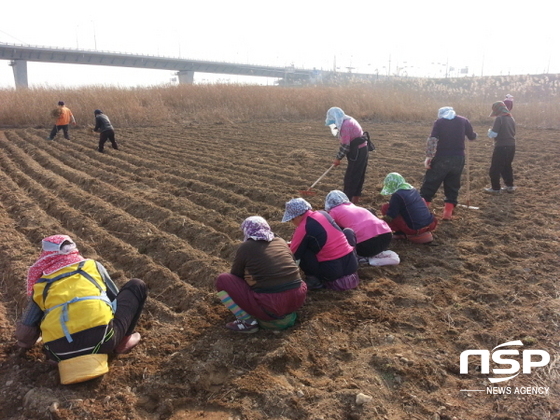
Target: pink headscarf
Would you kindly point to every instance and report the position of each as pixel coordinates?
(59, 251)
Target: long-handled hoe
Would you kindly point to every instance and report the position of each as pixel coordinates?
(308, 191)
(468, 199)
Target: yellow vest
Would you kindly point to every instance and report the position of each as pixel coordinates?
(73, 299)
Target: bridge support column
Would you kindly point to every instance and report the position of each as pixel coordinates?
(19, 68)
(186, 77)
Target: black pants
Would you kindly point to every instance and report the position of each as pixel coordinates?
(356, 172)
(107, 135)
(375, 245)
(57, 128)
(130, 302)
(501, 166)
(333, 269)
(446, 170)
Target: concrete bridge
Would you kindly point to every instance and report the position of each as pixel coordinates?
(19, 55)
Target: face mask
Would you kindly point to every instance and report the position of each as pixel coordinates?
(334, 130)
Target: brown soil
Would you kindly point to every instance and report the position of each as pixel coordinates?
(167, 208)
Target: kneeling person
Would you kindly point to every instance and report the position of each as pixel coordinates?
(326, 252)
(407, 213)
(78, 310)
(373, 235)
(264, 286)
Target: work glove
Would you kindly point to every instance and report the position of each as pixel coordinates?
(336, 162)
(428, 163)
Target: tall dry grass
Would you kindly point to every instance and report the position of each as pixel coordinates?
(406, 100)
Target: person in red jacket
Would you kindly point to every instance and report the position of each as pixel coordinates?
(63, 117)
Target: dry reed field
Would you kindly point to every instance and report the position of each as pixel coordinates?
(194, 162)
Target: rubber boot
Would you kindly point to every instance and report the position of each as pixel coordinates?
(428, 203)
(448, 211)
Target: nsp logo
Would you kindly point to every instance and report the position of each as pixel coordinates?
(497, 357)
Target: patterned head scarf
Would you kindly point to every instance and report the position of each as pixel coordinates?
(499, 109)
(335, 198)
(294, 208)
(446, 112)
(59, 251)
(257, 228)
(393, 182)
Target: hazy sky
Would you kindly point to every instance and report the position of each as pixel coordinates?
(418, 38)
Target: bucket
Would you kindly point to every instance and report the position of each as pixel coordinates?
(82, 368)
(279, 324)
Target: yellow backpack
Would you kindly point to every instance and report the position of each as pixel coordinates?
(73, 299)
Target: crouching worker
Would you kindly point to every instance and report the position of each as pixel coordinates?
(407, 214)
(326, 252)
(373, 235)
(264, 287)
(79, 311)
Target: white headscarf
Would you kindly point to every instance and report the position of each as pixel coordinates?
(335, 198)
(336, 116)
(446, 112)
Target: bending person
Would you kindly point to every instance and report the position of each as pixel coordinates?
(373, 235)
(264, 283)
(326, 252)
(407, 213)
(354, 144)
(76, 307)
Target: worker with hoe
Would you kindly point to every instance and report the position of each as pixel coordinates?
(78, 310)
(325, 252)
(355, 145)
(63, 117)
(445, 158)
(105, 129)
(264, 287)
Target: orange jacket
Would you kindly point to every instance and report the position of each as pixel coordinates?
(65, 117)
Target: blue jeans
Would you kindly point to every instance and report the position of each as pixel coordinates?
(446, 170)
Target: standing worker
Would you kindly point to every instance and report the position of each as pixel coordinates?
(445, 158)
(503, 133)
(63, 117)
(105, 129)
(508, 102)
(355, 145)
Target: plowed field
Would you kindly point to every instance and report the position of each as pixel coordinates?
(167, 208)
